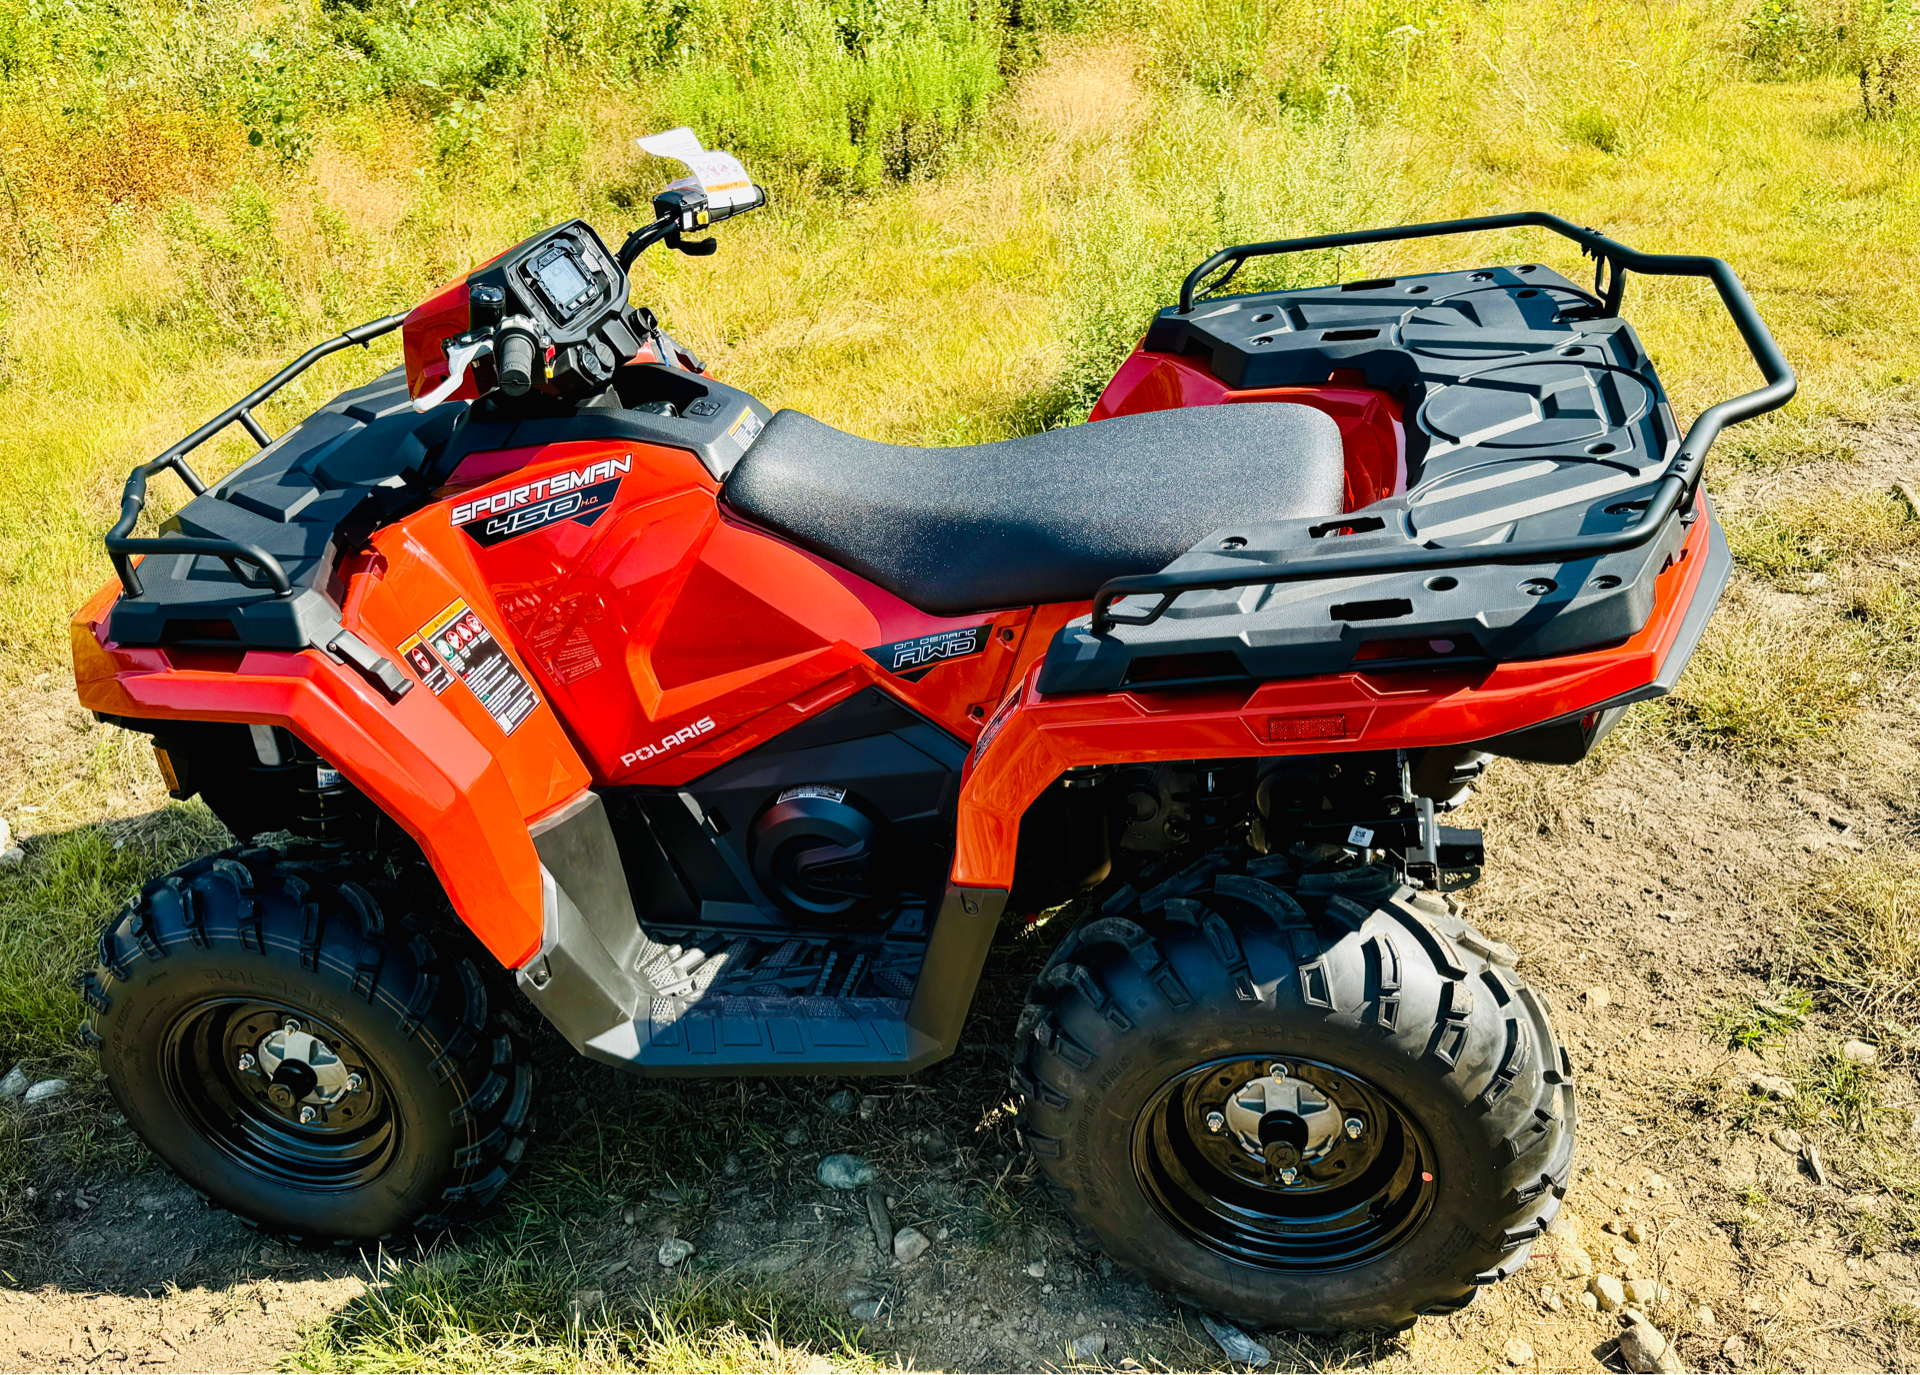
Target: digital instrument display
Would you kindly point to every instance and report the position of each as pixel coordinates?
(561, 280)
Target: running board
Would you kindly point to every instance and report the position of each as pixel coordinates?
(712, 1001)
(721, 1034)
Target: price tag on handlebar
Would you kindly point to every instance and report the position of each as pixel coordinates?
(719, 174)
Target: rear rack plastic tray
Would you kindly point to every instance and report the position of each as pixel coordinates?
(1548, 482)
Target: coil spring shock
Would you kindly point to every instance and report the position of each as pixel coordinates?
(329, 811)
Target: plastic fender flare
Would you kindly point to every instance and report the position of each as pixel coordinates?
(413, 759)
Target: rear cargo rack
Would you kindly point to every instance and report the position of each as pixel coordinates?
(133, 499)
(1612, 261)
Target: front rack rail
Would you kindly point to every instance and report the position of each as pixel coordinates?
(122, 545)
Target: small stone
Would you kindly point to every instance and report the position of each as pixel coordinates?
(14, 1084)
(629, 1215)
(1671, 916)
(1238, 1346)
(1625, 1256)
(1645, 1293)
(11, 856)
(1858, 1052)
(866, 1310)
(674, 1250)
(842, 1103)
(1090, 1347)
(42, 1091)
(1809, 1156)
(1614, 1226)
(841, 1171)
(1038, 1269)
(6, 834)
(1564, 1226)
(668, 1195)
(732, 1166)
(1517, 1352)
(909, 1244)
(1771, 1086)
(942, 1234)
(1644, 1349)
(1609, 1291)
(796, 1135)
(584, 1300)
(1734, 1348)
(1634, 1233)
(1787, 1139)
(1597, 998)
(1703, 1318)
(868, 1107)
(1575, 1263)
(1588, 1301)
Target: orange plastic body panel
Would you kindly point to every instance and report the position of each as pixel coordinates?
(423, 335)
(439, 766)
(1370, 421)
(1033, 739)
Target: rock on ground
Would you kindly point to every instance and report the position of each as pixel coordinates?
(45, 1089)
(674, 1250)
(1089, 1347)
(1645, 1350)
(1772, 1086)
(1517, 1352)
(1238, 1346)
(1858, 1052)
(909, 1244)
(1609, 1291)
(14, 1084)
(843, 1171)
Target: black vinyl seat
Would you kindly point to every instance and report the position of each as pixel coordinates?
(1045, 518)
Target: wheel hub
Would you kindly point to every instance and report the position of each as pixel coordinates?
(281, 1093)
(1284, 1164)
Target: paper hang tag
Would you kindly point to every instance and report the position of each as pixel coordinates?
(719, 174)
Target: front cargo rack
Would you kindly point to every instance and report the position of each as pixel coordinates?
(122, 546)
(1178, 330)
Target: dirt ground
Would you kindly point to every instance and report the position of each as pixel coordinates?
(1642, 894)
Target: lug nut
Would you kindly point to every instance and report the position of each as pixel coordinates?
(291, 1026)
(1277, 1070)
(1288, 1175)
(308, 1115)
(246, 1063)
(1216, 1122)
(1355, 1128)
(353, 1083)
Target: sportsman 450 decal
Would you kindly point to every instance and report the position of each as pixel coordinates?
(580, 497)
(907, 656)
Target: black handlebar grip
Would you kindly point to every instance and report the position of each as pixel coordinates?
(516, 364)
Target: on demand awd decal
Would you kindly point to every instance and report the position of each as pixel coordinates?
(909, 658)
(580, 497)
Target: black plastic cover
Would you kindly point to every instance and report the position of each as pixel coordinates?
(343, 466)
(1529, 416)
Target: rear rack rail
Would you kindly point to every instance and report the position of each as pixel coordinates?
(1612, 261)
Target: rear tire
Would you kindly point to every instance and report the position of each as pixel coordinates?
(298, 1059)
(1159, 1021)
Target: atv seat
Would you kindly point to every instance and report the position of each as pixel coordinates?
(1041, 519)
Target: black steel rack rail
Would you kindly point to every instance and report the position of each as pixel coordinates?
(1612, 261)
(121, 544)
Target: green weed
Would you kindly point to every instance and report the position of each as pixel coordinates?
(505, 1305)
(1751, 1024)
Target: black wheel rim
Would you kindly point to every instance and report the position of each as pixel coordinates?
(1284, 1164)
(310, 1114)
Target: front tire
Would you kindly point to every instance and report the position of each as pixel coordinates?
(298, 1059)
(1329, 1109)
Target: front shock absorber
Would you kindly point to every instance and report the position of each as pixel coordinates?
(331, 810)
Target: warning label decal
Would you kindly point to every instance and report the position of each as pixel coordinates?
(458, 644)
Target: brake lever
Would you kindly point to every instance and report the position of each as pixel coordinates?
(459, 358)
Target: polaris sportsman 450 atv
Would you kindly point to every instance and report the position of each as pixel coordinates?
(730, 738)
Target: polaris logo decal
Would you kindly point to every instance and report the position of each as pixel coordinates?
(907, 656)
(581, 497)
(704, 726)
